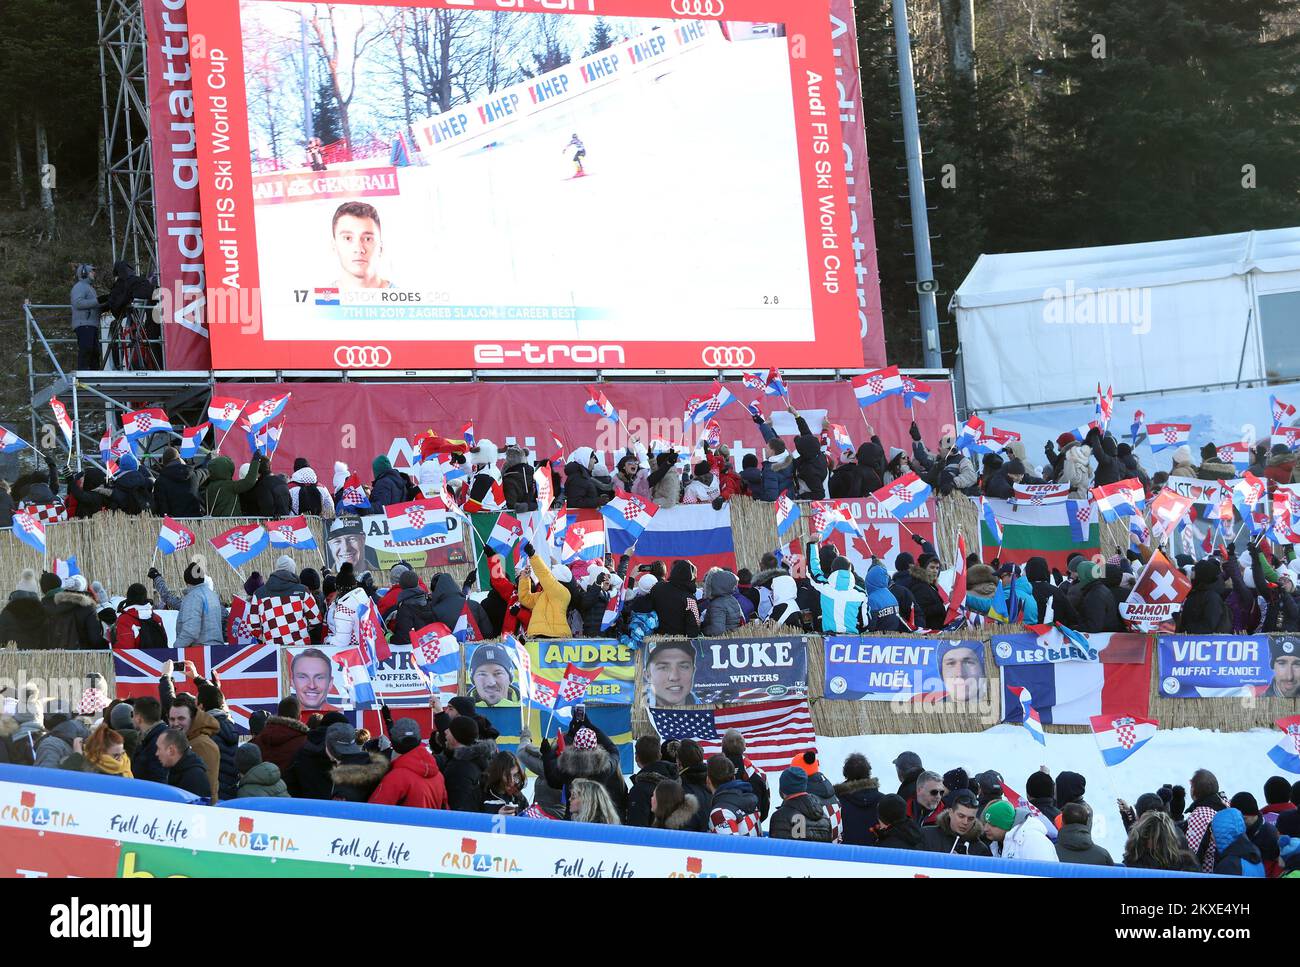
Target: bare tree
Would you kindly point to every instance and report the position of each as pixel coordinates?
(959, 35)
(332, 37)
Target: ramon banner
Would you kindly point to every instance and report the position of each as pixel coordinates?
(398, 232)
(63, 824)
(1221, 666)
(740, 670)
(904, 669)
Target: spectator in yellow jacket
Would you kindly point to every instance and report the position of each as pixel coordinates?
(550, 606)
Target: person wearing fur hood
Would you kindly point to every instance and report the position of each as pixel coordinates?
(929, 609)
(23, 620)
(671, 807)
(74, 618)
(355, 773)
(859, 795)
(589, 755)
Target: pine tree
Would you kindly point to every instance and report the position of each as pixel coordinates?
(326, 116)
(601, 37)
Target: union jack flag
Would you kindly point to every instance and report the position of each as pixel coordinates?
(249, 674)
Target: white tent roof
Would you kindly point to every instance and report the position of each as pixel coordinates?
(1023, 276)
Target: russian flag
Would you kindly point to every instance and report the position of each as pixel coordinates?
(191, 436)
(695, 532)
(626, 518)
(11, 441)
(293, 532)
(1119, 736)
(267, 410)
(1029, 718)
(787, 512)
(598, 405)
(991, 521)
(174, 536)
(65, 569)
(416, 519)
(904, 495)
(914, 391)
(874, 387)
(241, 544)
(1286, 754)
(29, 529)
(139, 423)
(506, 533)
(1072, 692)
(1124, 498)
(224, 410)
(1163, 436)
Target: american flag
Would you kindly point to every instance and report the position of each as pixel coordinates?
(250, 674)
(775, 732)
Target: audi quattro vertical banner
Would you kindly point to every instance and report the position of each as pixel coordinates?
(177, 217)
(613, 182)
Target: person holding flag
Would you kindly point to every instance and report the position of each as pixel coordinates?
(588, 754)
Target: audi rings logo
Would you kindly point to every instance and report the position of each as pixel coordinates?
(362, 357)
(697, 8)
(728, 356)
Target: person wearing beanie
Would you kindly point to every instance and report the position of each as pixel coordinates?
(120, 720)
(1002, 482)
(137, 625)
(388, 487)
(414, 778)
(958, 829)
(132, 488)
(1070, 787)
(24, 620)
(283, 581)
(895, 829)
(199, 618)
(1040, 791)
(1263, 835)
(464, 763)
(175, 492)
(257, 779)
(282, 735)
(306, 494)
(704, 487)
(73, 617)
(1277, 799)
(844, 607)
(354, 772)
(589, 754)
(1016, 834)
(800, 815)
(955, 781)
(1212, 468)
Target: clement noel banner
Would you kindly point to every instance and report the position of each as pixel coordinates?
(63, 824)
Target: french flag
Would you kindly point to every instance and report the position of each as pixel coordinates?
(1286, 754)
(1071, 692)
(1029, 717)
(241, 544)
(914, 391)
(904, 495)
(11, 441)
(873, 387)
(267, 410)
(1123, 498)
(506, 533)
(29, 529)
(191, 437)
(598, 405)
(174, 536)
(66, 569)
(626, 518)
(293, 532)
(224, 410)
(1119, 736)
(787, 512)
(1164, 436)
(416, 519)
(139, 423)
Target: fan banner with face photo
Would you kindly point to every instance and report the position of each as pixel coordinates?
(905, 669)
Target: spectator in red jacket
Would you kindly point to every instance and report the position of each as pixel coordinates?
(414, 778)
(135, 613)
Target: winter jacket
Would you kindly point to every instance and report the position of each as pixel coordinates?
(144, 763)
(1202, 610)
(356, 776)
(549, 606)
(694, 782)
(24, 622)
(309, 773)
(1012, 603)
(203, 742)
(190, 774)
(733, 810)
(389, 488)
(132, 492)
(999, 485)
(1282, 612)
(262, 782)
(1214, 470)
(57, 744)
(198, 622)
(413, 780)
(810, 466)
(643, 787)
(1027, 840)
(685, 817)
(520, 488)
(902, 835)
(1074, 845)
(723, 612)
(1098, 608)
(800, 817)
(462, 774)
(221, 492)
(882, 607)
(85, 304)
(859, 802)
(665, 482)
(843, 606)
(227, 741)
(674, 602)
(940, 838)
(280, 740)
(342, 617)
(130, 626)
(414, 611)
(770, 479)
(175, 492)
(90, 491)
(597, 764)
(592, 606)
(954, 471)
(74, 621)
(1265, 836)
(281, 584)
(929, 610)
(305, 480)
(1200, 842)
(1236, 854)
(785, 605)
(580, 488)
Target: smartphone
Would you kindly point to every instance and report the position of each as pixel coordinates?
(579, 713)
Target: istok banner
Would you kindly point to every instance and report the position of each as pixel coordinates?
(1222, 666)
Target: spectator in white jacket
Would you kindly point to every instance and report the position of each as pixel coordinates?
(302, 483)
(703, 488)
(1017, 834)
(342, 617)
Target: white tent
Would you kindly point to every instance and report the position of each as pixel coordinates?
(1046, 327)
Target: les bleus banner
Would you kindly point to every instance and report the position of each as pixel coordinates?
(1223, 666)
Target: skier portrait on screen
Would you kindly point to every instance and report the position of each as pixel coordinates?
(358, 245)
(579, 153)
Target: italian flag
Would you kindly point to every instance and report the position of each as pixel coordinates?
(1029, 531)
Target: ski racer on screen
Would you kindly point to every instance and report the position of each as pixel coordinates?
(358, 245)
(579, 153)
